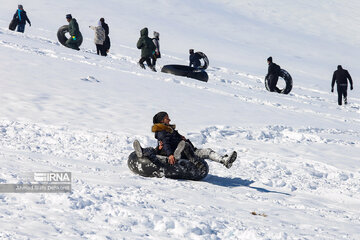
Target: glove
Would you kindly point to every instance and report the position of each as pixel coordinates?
(332, 89)
(351, 88)
(73, 37)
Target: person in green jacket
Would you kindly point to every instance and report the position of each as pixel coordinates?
(147, 49)
(75, 39)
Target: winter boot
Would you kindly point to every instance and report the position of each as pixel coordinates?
(142, 65)
(153, 69)
(345, 100)
(228, 160)
(138, 149)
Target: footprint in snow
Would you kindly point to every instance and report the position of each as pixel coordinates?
(90, 79)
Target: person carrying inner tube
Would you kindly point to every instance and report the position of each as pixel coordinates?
(147, 47)
(273, 75)
(169, 140)
(75, 35)
(194, 59)
(22, 18)
(341, 77)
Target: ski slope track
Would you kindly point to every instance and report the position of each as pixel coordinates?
(298, 167)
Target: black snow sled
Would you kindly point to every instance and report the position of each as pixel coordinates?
(182, 169)
(186, 71)
(13, 24)
(288, 81)
(62, 37)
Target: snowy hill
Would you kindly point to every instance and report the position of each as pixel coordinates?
(74, 111)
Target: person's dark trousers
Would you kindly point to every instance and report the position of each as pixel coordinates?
(148, 61)
(153, 60)
(21, 27)
(273, 79)
(342, 91)
(70, 43)
(100, 50)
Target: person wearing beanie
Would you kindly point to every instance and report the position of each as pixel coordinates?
(107, 43)
(273, 75)
(21, 17)
(341, 77)
(147, 49)
(99, 38)
(75, 35)
(169, 140)
(157, 54)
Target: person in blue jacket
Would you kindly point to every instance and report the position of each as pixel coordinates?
(22, 18)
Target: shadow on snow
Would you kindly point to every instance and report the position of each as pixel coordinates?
(237, 182)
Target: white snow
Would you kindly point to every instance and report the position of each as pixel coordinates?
(298, 169)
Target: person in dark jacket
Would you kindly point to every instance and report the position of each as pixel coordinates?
(106, 44)
(75, 35)
(194, 59)
(273, 75)
(157, 50)
(341, 77)
(147, 49)
(169, 139)
(22, 18)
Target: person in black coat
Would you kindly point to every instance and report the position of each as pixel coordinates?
(22, 18)
(341, 77)
(194, 59)
(169, 139)
(273, 75)
(106, 44)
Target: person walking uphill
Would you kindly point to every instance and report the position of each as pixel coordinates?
(75, 35)
(22, 18)
(157, 53)
(99, 39)
(273, 75)
(147, 49)
(107, 43)
(341, 77)
(169, 139)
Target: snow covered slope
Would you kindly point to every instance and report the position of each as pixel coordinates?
(65, 110)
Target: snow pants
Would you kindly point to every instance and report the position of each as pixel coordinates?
(342, 91)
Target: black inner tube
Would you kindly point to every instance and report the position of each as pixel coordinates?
(205, 59)
(288, 81)
(62, 37)
(182, 169)
(186, 71)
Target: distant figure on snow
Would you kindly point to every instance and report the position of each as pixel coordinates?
(169, 139)
(147, 47)
(194, 59)
(341, 77)
(75, 35)
(107, 38)
(99, 39)
(273, 75)
(22, 18)
(157, 50)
